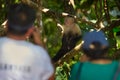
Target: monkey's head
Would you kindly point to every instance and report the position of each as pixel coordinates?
(69, 20)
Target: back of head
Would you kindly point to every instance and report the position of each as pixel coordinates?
(95, 44)
(20, 18)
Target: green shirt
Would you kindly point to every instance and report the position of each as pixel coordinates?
(92, 71)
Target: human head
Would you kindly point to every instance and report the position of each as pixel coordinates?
(21, 17)
(95, 44)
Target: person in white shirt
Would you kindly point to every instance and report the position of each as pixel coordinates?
(21, 59)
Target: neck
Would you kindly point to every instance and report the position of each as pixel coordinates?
(102, 61)
(15, 37)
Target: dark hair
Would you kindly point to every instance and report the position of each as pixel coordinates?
(20, 18)
(98, 51)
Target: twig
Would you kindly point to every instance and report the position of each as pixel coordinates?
(117, 3)
(85, 21)
(101, 8)
(107, 11)
(113, 24)
(70, 54)
(99, 16)
(96, 9)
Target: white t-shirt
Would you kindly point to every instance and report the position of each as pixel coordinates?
(21, 60)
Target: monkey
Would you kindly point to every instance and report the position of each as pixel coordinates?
(71, 35)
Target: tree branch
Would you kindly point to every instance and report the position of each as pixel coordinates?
(96, 9)
(98, 15)
(85, 21)
(109, 28)
(70, 54)
(107, 11)
(117, 3)
(101, 8)
(114, 23)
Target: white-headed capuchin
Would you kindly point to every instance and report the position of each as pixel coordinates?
(71, 35)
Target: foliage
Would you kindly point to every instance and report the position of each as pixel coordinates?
(91, 14)
(63, 71)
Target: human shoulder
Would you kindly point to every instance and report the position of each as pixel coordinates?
(42, 51)
(36, 49)
(76, 66)
(74, 70)
(39, 48)
(77, 63)
(2, 38)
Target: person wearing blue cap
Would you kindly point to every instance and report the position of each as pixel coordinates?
(98, 66)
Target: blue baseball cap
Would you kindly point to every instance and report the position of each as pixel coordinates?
(94, 36)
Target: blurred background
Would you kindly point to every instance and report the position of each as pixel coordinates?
(90, 14)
